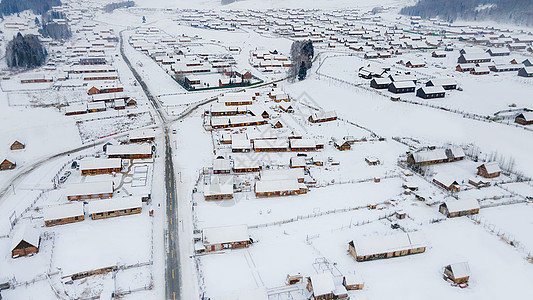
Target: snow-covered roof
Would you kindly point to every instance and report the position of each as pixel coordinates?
(460, 270)
(240, 143)
(432, 89)
(114, 204)
(108, 96)
(216, 189)
(302, 143)
(76, 108)
(528, 116)
(443, 81)
(352, 279)
(221, 165)
(143, 134)
(385, 80)
(402, 77)
(446, 179)
(298, 161)
(324, 115)
(282, 174)
(322, 284)
(278, 185)
(262, 144)
(68, 210)
(225, 234)
(28, 234)
(89, 188)
(100, 163)
(461, 205)
(245, 163)
(403, 84)
(389, 243)
(130, 149)
(492, 167)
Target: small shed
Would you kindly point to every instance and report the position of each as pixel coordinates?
(458, 273)
(353, 282)
(489, 170)
(458, 208)
(372, 161)
(225, 237)
(524, 119)
(25, 242)
(7, 164)
(17, 146)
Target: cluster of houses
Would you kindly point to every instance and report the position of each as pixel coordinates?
(270, 60)
(8, 162)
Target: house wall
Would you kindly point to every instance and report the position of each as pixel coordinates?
(93, 196)
(116, 213)
(219, 197)
(24, 251)
(100, 171)
(63, 221)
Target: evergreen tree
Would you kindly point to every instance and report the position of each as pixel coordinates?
(302, 72)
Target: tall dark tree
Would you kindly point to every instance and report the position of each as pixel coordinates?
(25, 52)
(302, 73)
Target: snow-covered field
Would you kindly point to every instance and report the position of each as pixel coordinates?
(346, 199)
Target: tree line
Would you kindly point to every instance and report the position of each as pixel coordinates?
(8, 7)
(508, 11)
(109, 8)
(25, 52)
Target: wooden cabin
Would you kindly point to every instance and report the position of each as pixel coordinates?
(244, 165)
(321, 286)
(480, 71)
(276, 188)
(459, 273)
(109, 208)
(525, 72)
(458, 208)
(90, 190)
(225, 238)
(435, 156)
(7, 164)
(446, 83)
(489, 170)
(297, 162)
(218, 191)
(342, 145)
(221, 166)
(398, 87)
(524, 119)
(322, 116)
(430, 92)
(388, 246)
(372, 161)
(270, 145)
(446, 182)
(25, 242)
(98, 166)
(17, 146)
(63, 214)
(130, 151)
(353, 282)
(302, 145)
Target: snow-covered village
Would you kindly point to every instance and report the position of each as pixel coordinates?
(265, 150)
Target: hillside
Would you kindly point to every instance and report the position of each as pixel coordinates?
(518, 12)
(8, 7)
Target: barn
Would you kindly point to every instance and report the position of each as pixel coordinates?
(458, 273)
(458, 208)
(7, 164)
(394, 245)
(321, 286)
(63, 214)
(398, 87)
(109, 208)
(97, 166)
(446, 83)
(524, 118)
(25, 242)
(89, 190)
(17, 146)
(225, 237)
(430, 92)
(489, 170)
(380, 83)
